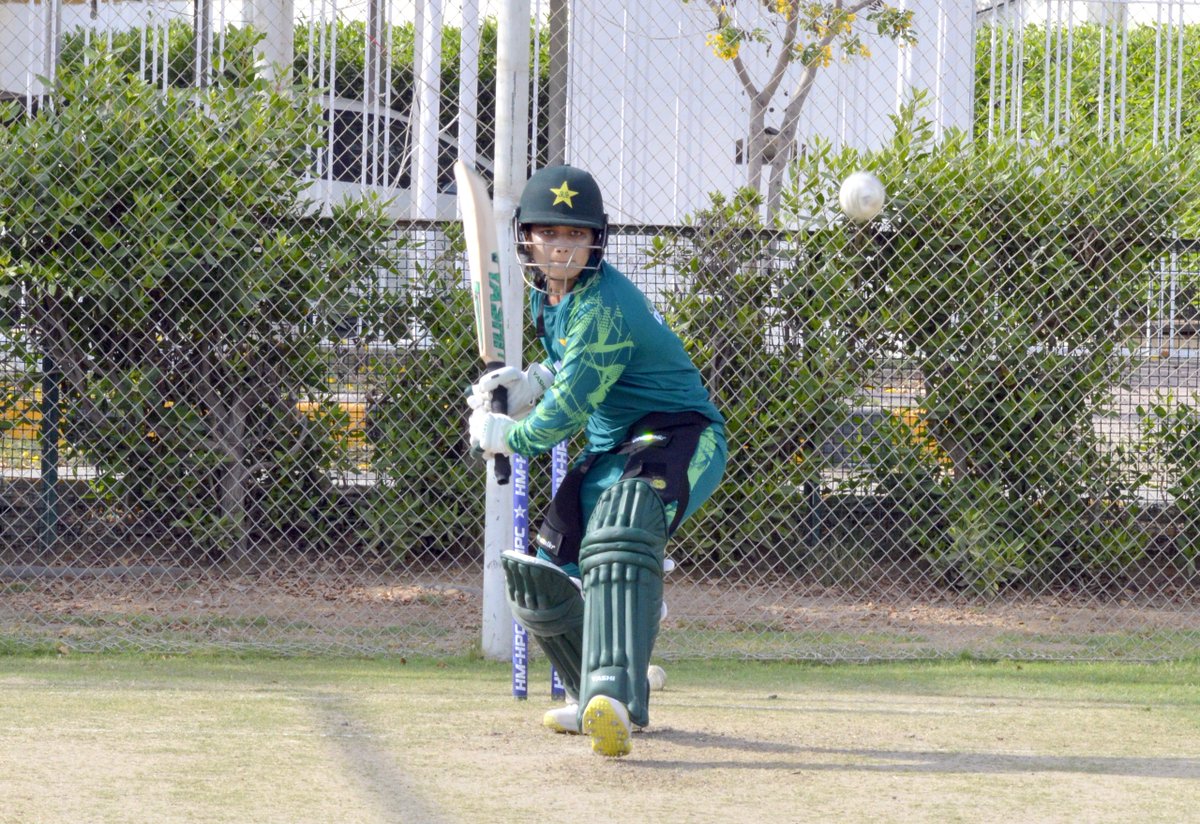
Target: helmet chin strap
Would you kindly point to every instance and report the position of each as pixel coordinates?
(537, 279)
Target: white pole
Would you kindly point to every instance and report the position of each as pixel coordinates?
(992, 51)
(166, 53)
(332, 21)
(370, 111)
(468, 83)
(1046, 89)
(53, 40)
(389, 31)
(512, 129)
(973, 38)
(142, 41)
(1070, 62)
(429, 92)
(1124, 71)
(220, 40)
(1002, 115)
(1058, 63)
(1018, 82)
(1168, 79)
(202, 31)
(273, 18)
(536, 78)
(1157, 66)
(314, 171)
(1100, 67)
(153, 44)
(412, 131)
(1179, 79)
(939, 79)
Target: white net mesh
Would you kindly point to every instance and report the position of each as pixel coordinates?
(233, 386)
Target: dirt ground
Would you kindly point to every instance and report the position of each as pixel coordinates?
(321, 607)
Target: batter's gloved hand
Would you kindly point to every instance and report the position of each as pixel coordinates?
(524, 388)
(489, 433)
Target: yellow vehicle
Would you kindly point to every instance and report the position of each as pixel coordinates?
(851, 444)
(21, 419)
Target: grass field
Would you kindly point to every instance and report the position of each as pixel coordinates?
(129, 738)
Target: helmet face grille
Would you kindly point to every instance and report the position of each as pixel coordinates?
(535, 276)
(562, 196)
(559, 196)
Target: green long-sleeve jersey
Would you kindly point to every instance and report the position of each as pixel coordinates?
(616, 362)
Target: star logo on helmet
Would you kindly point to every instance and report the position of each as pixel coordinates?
(563, 194)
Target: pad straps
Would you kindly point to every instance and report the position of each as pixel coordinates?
(660, 446)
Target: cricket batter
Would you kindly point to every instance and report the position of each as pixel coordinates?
(593, 595)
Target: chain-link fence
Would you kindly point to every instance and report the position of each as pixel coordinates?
(233, 409)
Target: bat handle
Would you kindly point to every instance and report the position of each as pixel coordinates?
(500, 464)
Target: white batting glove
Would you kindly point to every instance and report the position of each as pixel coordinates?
(489, 432)
(524, 388)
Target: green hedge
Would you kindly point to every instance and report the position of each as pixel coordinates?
(158, 249)
(1136, 101)
(999, 268)
(234, 63)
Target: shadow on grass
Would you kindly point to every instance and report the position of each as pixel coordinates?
(835, 759)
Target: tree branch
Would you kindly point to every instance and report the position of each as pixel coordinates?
(791, 113)
(739, 65)
(786, 54)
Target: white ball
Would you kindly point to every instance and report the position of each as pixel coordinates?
(657, 676)
(862, 197)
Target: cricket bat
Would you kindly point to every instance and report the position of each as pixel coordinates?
(487, 294)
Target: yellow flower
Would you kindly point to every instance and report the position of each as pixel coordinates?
(722, 48)
(784, 7)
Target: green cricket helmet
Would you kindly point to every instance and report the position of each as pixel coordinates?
(560, 196)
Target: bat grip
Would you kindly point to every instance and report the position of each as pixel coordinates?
(500, 464)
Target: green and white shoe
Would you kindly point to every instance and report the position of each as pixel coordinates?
(606, 721)
(564, 719)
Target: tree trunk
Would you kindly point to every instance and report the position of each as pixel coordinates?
(227, 409)
(235, 477)
(556, 91)
(779, 166)
(755, 142)
(959, 455)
